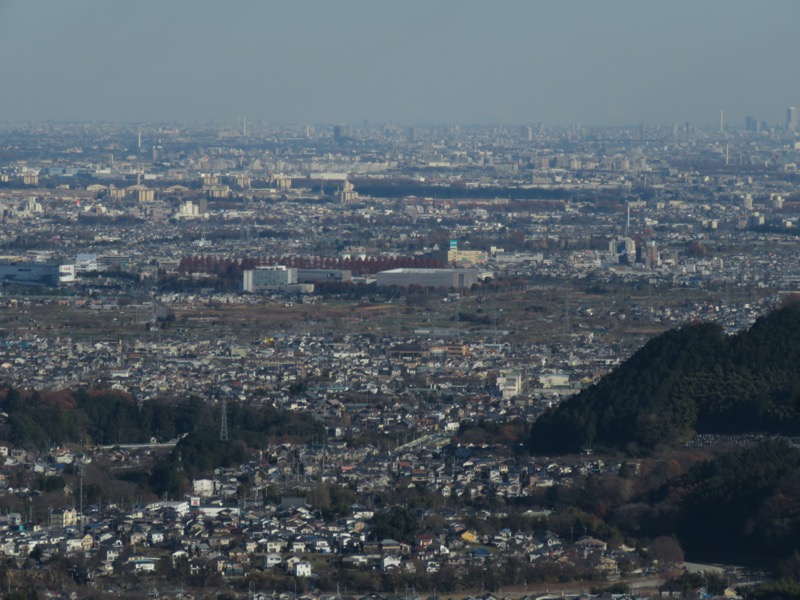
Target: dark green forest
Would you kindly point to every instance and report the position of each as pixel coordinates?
(742, 507)
(694, 379)
(82, 417)
(107, 418)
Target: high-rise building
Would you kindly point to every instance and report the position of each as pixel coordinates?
(341, 133)
(347, 193)
(751, 124)
(791, 118)
(623, 250)
(527, 133)
(651, 258)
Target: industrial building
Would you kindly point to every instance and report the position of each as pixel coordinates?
(276, 278)
(31, 273)
(323, 275)
(437, 278)
(465, 258)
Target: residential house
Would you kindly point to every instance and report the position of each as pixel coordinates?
(63, 517)
(302, 569)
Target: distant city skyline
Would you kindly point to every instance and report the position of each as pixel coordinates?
(612, 63)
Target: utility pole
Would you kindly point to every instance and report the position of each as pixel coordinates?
(81, 473)
(180, 476)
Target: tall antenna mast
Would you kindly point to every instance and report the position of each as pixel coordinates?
(628, 218)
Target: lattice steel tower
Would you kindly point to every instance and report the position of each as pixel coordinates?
(223, 425)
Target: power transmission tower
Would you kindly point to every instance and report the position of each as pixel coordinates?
(223, 425)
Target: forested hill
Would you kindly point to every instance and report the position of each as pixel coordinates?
(687, 380)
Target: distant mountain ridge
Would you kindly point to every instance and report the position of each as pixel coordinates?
(689, 380)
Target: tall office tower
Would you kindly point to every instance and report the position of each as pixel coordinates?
(651, 257)
(751, 124)
(412, 135)
(341, 133)
(791, 118)
(527, 133)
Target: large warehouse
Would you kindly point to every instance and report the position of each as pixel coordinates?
(438, 278)
(34, 273)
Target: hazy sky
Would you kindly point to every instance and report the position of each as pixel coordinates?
(600, 62)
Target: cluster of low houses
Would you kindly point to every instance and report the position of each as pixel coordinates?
(335, 368)
(432, 463)
(231, 540)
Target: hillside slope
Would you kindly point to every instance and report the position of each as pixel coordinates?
(687, 380)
